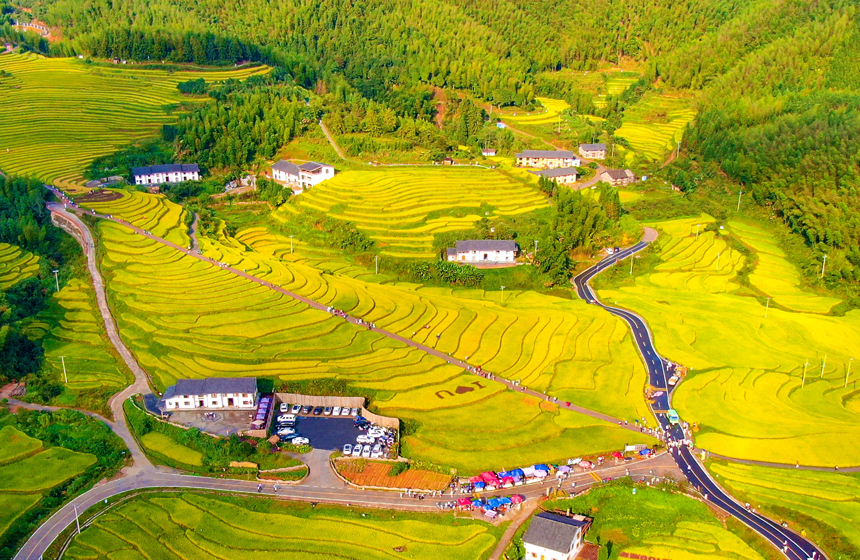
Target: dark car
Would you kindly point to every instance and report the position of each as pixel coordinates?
(290, 437)
(307, 409)
(290, 424)
(318, 410)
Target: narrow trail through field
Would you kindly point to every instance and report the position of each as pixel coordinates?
(332, 141)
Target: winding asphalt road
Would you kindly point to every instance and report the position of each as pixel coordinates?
(794, 546)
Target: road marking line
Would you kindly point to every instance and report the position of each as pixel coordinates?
(595, 477)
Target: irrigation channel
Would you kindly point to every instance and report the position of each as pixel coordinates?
(794, 546)
(143, 474)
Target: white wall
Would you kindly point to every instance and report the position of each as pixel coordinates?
(183, 402)
(478, 256)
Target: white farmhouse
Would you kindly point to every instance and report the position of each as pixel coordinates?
(546, 159)
(561, 175)
(212, 393)
(484, 251)
(555, 537)
(171, 173)
(302, 176)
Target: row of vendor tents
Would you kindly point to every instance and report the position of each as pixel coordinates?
(492, 506)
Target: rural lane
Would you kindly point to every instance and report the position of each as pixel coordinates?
(792, 545)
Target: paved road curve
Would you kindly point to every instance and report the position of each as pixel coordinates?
(790, 543)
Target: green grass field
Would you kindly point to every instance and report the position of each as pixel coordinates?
(655, 523)
(746, 388)
(655, 124)
(219, 324)
(27, 471)
(15, 444)
(549, 114)
(205, 528)
(402, 208)
(16, 265)
(59, 114)
(829, 497)
(160, 443)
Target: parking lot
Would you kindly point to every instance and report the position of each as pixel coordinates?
(326, 432)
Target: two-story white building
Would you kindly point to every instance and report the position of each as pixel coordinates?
(546, 159)
(303, 176)
(212, 393)
(561, 175)
(592, 151)
(170, 173)
(484, 251)
(555, 537)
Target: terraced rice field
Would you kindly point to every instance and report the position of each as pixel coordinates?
(202, 527)
(829, 497)
(16, 265)
(615, 84)
(376, 474)
(61, 113)
(775, 276)
(402, 209)
(655, 124)
(186, 318)
(27, 470)
(160, 443)
(72, 327)
(747, 388)
(552, 108)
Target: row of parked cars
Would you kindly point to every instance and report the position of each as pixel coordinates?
(375, 444)
(285, 428)
(319, 410)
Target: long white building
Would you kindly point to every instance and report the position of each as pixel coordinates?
(484, 251)
(170, 173)
(212, 393)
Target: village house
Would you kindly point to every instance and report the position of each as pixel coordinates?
(561, 175)
(546, 159)
(160, 174)
(484, 251)
(212, 393)
(618, 177)
(488, 152)
(303, 176)
(555, 537)
(592, 151)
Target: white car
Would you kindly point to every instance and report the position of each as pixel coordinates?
(336, 411)
(287, 418)
(377, 451)
(286, 431)
(365, 439)
(376, 433)
(296, 409)
(356, 451)
(366, 452)
(285, 407)
(344, 411)
(301, 441)
(347, 449)
(353, 412)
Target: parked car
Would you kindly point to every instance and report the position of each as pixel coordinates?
(376, 432)
(365, 453)
(288, 438)
(365, 439)
(356, 451)
(336, 411)
(286, 431)
(286, 425)
(353, 412)
(673, 380)
(301, 441)
(318, 410)
(327, 411)
(377, 451)
(347, 449)
(297, 408)
(285, 407)
(307, 409)
(344, 411)
(287, 418)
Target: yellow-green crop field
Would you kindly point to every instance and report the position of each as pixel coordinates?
(747, 387)
(59, 114)
(27, 470)
(655, 124)
(401, 209)
(549, 115)
(186, 318)
(16, 265)
(207, 528)
(830, 497)
(72, 327)
(160, 443)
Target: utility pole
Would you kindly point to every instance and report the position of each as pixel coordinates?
(739, 200)
(502, 296)
(803, 381)
(718, 259)
(678, 150)
(57, 279)
(697, 230)
(631, 264)
(823, 363)
(534, 257)
(848, 372)
(377, 264)
(65, 375)
(822, 266)
(77, 522)
(291, 244)
(767, 307)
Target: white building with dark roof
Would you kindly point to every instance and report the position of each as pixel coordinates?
(170, 173)
(555, 537)
(618, 177)
(545, 159)
(301, 176)
(211, 393)
(484, 251)
(592, 151)
(561, 175)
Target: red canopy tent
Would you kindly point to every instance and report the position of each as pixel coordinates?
(517, 499)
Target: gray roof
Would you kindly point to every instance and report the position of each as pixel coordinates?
(169, 168)
(450, 251)
(311, 166)
(619, 173)
(553, 532)
(287, 167)
(592, 147)
(557, 172)
(212, 386)
(486, 245)
(545, 154)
